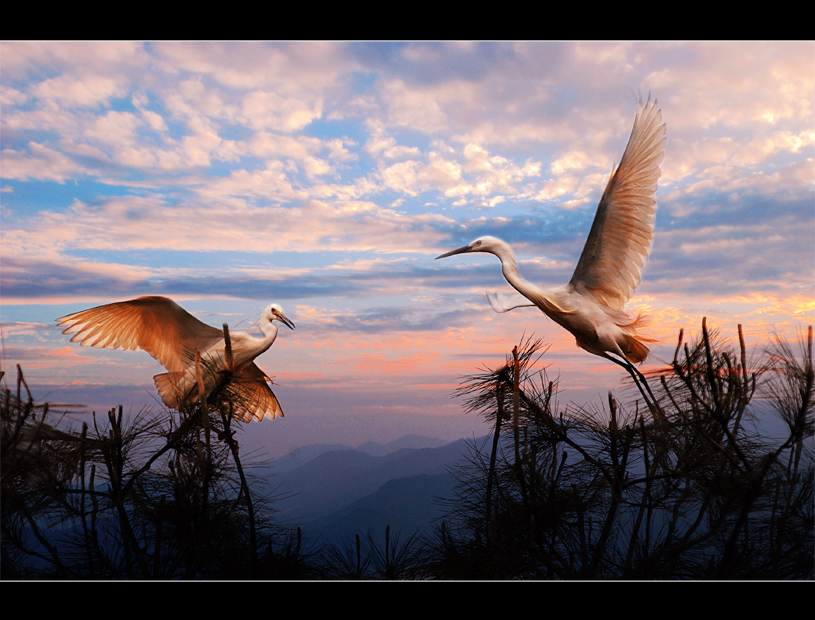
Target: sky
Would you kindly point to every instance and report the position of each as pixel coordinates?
(327, 176)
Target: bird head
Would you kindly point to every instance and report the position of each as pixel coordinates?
(275, 313)
(482, 244)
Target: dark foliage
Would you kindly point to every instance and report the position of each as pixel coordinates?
(163, 495)
(705, 489)
(395, 559)
(716, 484)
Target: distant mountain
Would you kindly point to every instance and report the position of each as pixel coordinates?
(408, 441)
(301, 456)
(337, 478)
(408, 505)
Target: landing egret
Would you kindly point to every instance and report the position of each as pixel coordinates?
(175, 338)
(591, 306)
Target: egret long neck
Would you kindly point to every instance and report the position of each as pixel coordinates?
(544, 299)
(269, 334)
(247, 347)
(509, 266)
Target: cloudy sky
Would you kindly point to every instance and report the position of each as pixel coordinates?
(327, 176)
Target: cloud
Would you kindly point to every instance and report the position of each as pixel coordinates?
(267, 110)
(39, 163)
(80, 91)
(400, 366)
(412, 107)
(328, 175)
(285, 67)
(147, 223)
(23, 57)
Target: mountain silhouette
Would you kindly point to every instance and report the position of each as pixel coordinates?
(344, 491)
(408, 505)
(301, 456)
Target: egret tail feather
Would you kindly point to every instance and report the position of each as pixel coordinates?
(636, 349)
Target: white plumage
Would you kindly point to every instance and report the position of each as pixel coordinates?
(173, 336)
(591, 306)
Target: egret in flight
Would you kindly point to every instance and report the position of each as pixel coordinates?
(187, 348)
(591, 306)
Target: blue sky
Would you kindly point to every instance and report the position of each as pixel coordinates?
(326, 176)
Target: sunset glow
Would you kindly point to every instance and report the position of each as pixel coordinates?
(327, 176)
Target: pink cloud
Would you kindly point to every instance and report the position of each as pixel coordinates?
(66, 352)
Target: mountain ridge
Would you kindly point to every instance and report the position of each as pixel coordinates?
(337, 478)
(409, 506)
(304, 454)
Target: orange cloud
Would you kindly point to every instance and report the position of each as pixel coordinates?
(65, 351)
(381, 364)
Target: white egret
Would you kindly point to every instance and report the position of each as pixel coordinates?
(184, 346)
(591, 306)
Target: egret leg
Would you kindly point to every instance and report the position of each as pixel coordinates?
(642, 385)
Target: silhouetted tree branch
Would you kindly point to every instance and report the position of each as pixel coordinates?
(707, 492)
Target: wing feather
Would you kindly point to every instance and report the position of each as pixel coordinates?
(251, 396)
(621, 235)
(156, 325)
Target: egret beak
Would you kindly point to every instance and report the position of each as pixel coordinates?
(284, 320)
(466, 248)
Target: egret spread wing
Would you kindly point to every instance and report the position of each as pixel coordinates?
(157, 325)
(251, 395)
(619, 242)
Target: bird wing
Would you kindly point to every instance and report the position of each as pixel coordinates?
(620, 239)
(502, 302)
(156, 325)
(251, 396)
